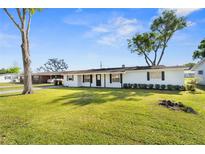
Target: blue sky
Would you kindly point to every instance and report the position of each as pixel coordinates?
(84, 37)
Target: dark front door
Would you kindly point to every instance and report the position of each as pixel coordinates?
(98, 79)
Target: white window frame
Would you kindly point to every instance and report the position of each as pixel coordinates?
(115, 77)
(86, 78)
(70, 77)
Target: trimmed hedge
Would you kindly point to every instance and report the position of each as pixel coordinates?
(159, 87)
(163, 87)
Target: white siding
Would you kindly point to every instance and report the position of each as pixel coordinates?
(200, 78)
(6, 78)
(113, 84)
(174, 77)
(69, 83)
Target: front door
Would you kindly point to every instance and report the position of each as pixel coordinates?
(98, 79)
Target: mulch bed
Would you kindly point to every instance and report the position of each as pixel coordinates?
(177, 106)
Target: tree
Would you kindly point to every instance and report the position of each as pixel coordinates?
(10, 70)
(200, 53)
(24, 15)
(155, 42)
(54, 65)
(190, 65)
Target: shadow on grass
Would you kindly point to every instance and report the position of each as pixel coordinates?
(87, 96)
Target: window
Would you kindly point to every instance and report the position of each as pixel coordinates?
(155, 75)
(115, 77)
(86, 78)
(70, 77)
(7, 77)
(200, 72)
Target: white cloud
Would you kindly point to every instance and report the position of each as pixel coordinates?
(181, 11)
(115, 31)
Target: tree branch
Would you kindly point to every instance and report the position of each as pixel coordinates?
(12, 19)
(24, 18)
(29, 23)
(147, 61)
(148, 58)
(19, 14)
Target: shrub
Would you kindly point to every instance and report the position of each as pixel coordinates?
(135, 86)
(128, 85)
(60, 82)
(151, 86)
(190, 87)
(157, 86)
(131, 85)
(176, 87)
(144, 86)
(170, 87)
(140, 86)
(163, 86)
(125, 85)
(56, 82)
(182, 88)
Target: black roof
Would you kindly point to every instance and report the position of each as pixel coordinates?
(122, 69)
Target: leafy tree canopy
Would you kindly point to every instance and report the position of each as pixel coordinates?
(54, 65)
(190, 65)
(153, 43)
(10, 70)
(200, 52)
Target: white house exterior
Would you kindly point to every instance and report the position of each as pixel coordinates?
(200, 72)
(116, 77)
(6, 78)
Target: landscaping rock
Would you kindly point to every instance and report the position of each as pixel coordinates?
(177, 106)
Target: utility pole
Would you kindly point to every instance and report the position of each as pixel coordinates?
(100, 64)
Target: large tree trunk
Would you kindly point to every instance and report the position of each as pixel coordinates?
(26, 64)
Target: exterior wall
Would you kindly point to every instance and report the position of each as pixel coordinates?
(174, 77)
(78, 82)
(69, 83)
(6, 78)
(200, 78)
(113, 84)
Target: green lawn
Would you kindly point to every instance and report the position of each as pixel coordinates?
(100, 116)
(3, 86)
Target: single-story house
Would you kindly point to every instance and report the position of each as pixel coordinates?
(12, 77)
(199, 69)
(116, 77)
(43, 77)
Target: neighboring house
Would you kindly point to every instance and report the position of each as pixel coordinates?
(44, 77)
(12, 77)
(199, 69)
(116, 77)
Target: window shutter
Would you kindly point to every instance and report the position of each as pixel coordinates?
(91, 79)
(148, 76)
(121, 78)
(83, 78)
(110, 78)
(163, 76)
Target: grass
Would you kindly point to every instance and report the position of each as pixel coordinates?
(100, 116)
(10, 86)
